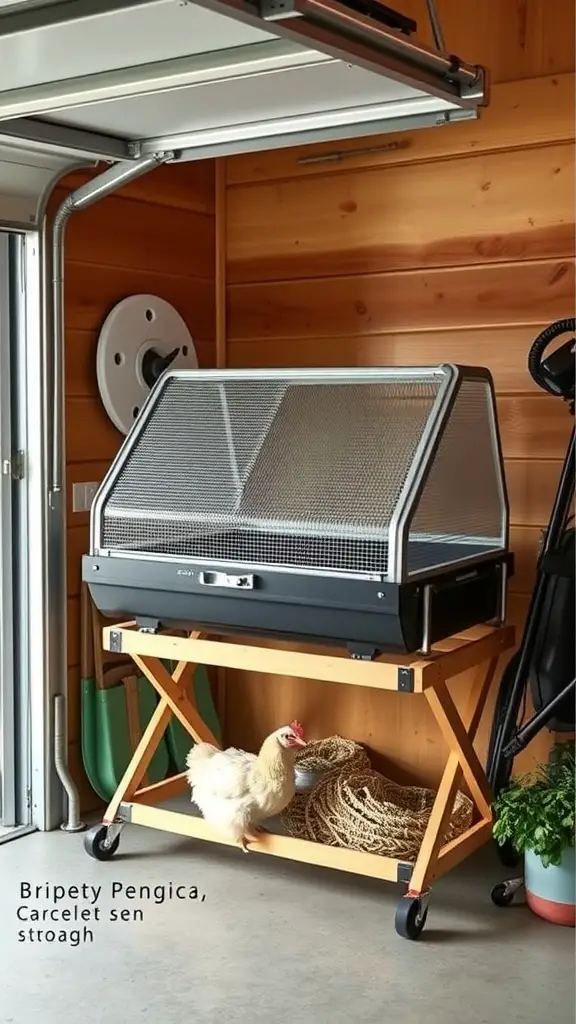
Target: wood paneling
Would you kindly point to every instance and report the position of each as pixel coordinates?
(94, 290)
(155, 236)
(414, 300)
(146, 236)
(527, 113)
(503, 349)
(442, 245)
(533, 426)
(98, 439)
(531, 488)
(478, 209)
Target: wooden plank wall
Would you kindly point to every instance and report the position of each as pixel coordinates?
(445, 244)
(155, 236)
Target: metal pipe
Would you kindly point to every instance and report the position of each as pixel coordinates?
(534, 725)
(91, 192)
(109, 181)
(437, 32)
(74, 823)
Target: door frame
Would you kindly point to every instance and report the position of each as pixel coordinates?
(34, 635)
(8, 742)
(43, 642)
(15, 412)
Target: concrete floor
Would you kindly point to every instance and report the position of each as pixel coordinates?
(272, 942)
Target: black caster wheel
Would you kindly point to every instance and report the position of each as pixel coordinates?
(95, 843)
(503, 894)
(411, 914)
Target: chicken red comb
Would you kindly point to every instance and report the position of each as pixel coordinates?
(297, 728)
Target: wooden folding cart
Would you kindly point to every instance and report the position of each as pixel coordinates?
(476, 649)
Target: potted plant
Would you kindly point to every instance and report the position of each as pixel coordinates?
(536, 815)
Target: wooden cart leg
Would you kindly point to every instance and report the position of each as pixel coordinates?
(174, 694)
(459, 743)
(438, 822)
(140, 760)
(173, 700)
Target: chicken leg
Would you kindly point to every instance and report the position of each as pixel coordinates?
(250, 837)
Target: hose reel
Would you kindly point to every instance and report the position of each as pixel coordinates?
(142, 336)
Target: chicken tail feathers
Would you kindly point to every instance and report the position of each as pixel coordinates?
(196, 758)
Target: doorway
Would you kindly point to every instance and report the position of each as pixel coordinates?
(15, 815)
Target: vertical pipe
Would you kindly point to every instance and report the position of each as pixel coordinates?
(107, 182)
(74, 823)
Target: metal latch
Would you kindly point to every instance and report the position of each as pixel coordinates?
(223, 579)
(14, 467)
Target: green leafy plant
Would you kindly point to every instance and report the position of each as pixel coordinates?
(536, 812)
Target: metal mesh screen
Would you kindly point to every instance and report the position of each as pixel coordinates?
(269, 472)
(461, 508)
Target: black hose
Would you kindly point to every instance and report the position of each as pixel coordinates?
(540, 345)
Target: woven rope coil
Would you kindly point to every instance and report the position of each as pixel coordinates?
(333, 753)
(330, 753)
(362, 810)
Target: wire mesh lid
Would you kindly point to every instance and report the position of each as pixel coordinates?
(293, 468)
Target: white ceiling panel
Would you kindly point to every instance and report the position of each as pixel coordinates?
(298, 91)
(159, 31)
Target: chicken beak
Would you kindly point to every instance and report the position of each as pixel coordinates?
(298, 742)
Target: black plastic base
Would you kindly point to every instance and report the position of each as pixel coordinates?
(366, 616)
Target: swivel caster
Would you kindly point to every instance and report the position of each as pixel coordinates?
(102, 841)
(503, 893)
(411, 914)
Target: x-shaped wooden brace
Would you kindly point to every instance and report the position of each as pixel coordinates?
(174, 700)
(462, 761)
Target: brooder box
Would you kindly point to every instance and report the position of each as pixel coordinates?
(363, 507)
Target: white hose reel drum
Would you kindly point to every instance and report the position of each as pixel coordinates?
(141, 337)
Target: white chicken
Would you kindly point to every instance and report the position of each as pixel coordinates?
(235, 790)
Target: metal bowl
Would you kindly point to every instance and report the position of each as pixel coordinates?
(305, 779)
